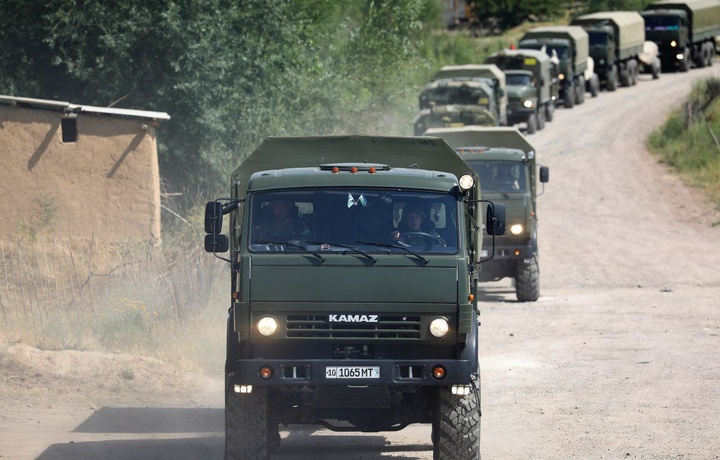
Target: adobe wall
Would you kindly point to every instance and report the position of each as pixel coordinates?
(105, 184)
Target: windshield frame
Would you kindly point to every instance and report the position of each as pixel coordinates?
(331, 205)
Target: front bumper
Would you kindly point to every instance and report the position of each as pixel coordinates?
(505, 261)
(519, 115)
(312, 372)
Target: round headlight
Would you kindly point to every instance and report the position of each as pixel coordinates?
(528, 104)
(439, 327)
(673, 43)
(267, 326)
(561, 76)
(679, 57)
(466, 182)
(516, 229)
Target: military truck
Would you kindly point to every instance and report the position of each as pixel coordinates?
(571, 46)
(684, 31)
(462, 96)
(353, 277)
(531, 87)
(507, 166)
(616, 40)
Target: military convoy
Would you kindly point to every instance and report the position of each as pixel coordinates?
(359, 311)
(684, 31)
(616, 40)
(570, 45)
(507, 166)
(532, 86)
(463, 95)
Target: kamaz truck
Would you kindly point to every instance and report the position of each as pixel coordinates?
(353, 267)
(464, 95)
(616, 41)
(507, 166)
(571, 46)
(531, 86)
(684, 31)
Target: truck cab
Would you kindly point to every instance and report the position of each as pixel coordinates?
(518, 65)
(353, 264)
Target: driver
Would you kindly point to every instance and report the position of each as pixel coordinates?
(416, 229)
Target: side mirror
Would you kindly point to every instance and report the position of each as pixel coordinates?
(213, 218)
(495, 219)
(216, 243)
(544, 174)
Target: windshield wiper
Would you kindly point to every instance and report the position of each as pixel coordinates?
(351, 248)
(294, 245)
(396, 246)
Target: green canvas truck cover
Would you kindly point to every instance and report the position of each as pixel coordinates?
(579, 41)
(704, 15)
(494, 137)
(629, 28)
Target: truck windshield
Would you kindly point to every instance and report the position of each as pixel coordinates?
(446, 95)
(500, 176)
(369, 220)
(597, 38)
(519, 80)
(660, 23)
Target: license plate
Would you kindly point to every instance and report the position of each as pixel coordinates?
(352, 372)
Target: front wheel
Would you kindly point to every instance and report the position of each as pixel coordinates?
(248, 433)
(532, 123)
(456, 425)
(549, 111)
(527, 282)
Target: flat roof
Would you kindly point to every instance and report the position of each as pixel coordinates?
(68, 107)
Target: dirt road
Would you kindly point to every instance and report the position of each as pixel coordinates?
(620, 357)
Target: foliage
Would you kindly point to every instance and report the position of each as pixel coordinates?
(510, 13)
(230, 73)
(616, 5)
(689, 140)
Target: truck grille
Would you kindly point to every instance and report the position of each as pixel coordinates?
(387, 327)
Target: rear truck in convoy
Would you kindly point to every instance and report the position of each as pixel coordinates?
(684, 31)
(463, 95)
(532, 86)
(507, 166)
(616, 40)
(571, 46)
(356, 309)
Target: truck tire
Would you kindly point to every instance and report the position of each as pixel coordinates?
(247, 422)
(527, 282)
(684, 64)
(594, 86)
(569, 100)
(656, 68)
(456, 425)
(532, 123)
(540, 119)
(580, 85)
(612, 79)
(710, 54)
(625, 76)
(549, 111)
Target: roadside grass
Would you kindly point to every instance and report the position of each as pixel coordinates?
(689, 140)
(162, 302)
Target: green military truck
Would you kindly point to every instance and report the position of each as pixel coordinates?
(506, 164)
(616, 41)
(684, 31)
(353, 263)
(531, 86)
(463, 95)
(571, 46)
